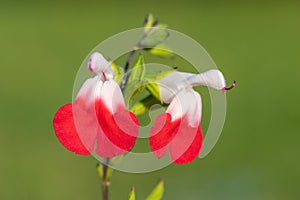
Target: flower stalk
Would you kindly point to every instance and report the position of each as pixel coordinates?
(104, 172)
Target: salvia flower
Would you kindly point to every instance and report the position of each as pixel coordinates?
(97, 119)
(178, 129)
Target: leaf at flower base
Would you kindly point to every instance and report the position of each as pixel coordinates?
(154, 37)
(153, 88)
(132, 194)
(100, 171)
(161, 51)
(157, 192)
(157, 75)
(144, 105)
(109, 172)
(119, 72)
(152, 79)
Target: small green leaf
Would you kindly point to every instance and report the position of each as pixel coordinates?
(153, 88)
(157, 192)
(136, 82)
(149, 21)
(157, 75)
(152, 78)
(132, 194)
(100, 171)
(162, 26)
(161, 51)
(133, 89)
(138, 71)
(154, 37)
(119, 72)
(108, 173)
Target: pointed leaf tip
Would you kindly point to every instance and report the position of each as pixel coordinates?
(162, 51)
(132, 194)
(157, 192)
(149, 21)
(138, 71)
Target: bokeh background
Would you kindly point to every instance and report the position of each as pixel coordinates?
(42, 44)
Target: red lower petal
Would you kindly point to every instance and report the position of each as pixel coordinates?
(66, 131)
(187, 144)
(121, 130)
(183, 140)
(162, 133)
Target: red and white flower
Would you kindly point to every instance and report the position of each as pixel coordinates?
(98, 116)
(178, 129)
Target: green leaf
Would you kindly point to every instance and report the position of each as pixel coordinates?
(133, 90)
(132, 194)
(157, 75)
(152, 79)
(119, 72)
(100, 171)
(162, 26)
(149, 21)
(138, 71)
(108, 173)
(144, 105)
(136, 82)
(162, 51)
(157, 192)
(153, 88)
(154, 37)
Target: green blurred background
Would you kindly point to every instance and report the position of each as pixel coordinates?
(257, 43)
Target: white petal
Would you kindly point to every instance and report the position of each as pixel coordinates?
(98, 64)
(211, 78)
(112, 96)
(170, 85)
(88, 92)
(186, 103)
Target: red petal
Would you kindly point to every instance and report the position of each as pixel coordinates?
(184, 141)
(162, 133)
(187, 144)
(121, 130)
(66, 131)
